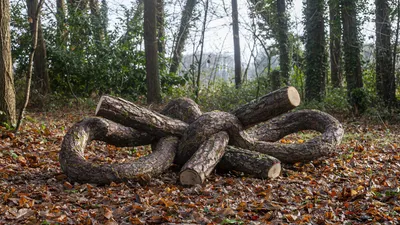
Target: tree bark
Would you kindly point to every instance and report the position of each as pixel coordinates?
(283, 40)
(268, 106)
(250, 163)
(335, 31)
(315, 55)
(200, 130)
(204, 160)
(137, 117)
(77, 168)
(182, 35)
(385, 79)
(351, 50)
(236, 44)
(7, 90)
(277, 128)
(160, 27)
(184, 109)
(150, 40)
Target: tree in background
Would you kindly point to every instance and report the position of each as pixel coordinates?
(351, 50)
(236, 44)
(335, 37)
(315, 55)
(273, 14)
(160, 27)
(60, 17)
(7, 91)
(150, 40)
(182, 35)
(385, 80)
(283, 40)
(41, 76)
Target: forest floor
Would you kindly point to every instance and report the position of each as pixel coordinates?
(359, 184)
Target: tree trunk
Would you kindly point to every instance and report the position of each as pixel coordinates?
(283, 40)
(182, 35)
(268, 106)
(150, 40)
(351, 50)
(137, 117)
(7, 90)
(60, 17)
(335, 31)
(160, 27)
(41, 76)
(385, 80)
(96, 21)
(200, 61)
(236, 44)
(204, 160)
(315, 56)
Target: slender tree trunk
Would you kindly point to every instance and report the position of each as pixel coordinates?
(35, 35)
(40, 60)
(203, 30)
(283, 40)
(236, 44)
(396, 42)
(315, 55)
(182, 35)
(385, 82)
(7, 91)
(150, 39)
(335, 31)
(351, 50)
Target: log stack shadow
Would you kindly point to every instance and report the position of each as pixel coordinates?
(199, 142)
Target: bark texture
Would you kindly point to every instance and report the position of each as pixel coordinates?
(335, 37)
(131, 115)
(204, 160)
(236, 44)
(7, 90)
(250, 163)
(268, 106)
(77, 168)
(150, 42)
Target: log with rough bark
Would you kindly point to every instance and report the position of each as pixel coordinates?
(132, 115)
(250, 163)
(77, 168)
(204, 160)
(197, 141)
(268, 106)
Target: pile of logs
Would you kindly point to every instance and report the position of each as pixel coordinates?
(244, 140)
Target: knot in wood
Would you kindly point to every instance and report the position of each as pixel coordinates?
(203, 128)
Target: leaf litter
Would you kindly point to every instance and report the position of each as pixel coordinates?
(359, 184)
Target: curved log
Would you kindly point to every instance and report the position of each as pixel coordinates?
(184, 109)
(268, 106)
(77, 168)
(277, 128)
(200, 130)
(250, 163)
(204, 160)
(132, 115)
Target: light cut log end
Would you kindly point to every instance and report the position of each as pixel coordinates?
(293, 96)
(99, 104)
(275, 171)
(190, 177)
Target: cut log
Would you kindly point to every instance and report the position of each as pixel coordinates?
(204, 160)
(140, 118)
(77, 168)
(200, 130)
(277, 128)
(184, 109)
(250, 163)
(268, 106)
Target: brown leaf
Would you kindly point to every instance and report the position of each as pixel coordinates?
(108, 213)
